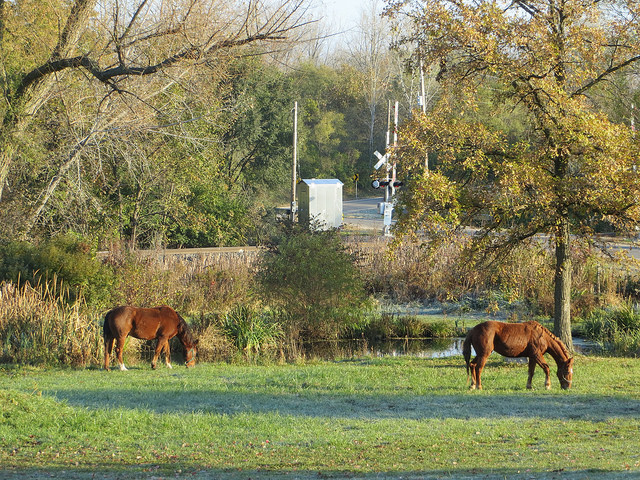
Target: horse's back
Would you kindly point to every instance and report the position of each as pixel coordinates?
(144, 323)
(507, 339)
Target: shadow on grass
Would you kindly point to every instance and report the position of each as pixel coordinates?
(359, 406)
(201, 472)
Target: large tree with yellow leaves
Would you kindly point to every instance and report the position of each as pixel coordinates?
(546, 58)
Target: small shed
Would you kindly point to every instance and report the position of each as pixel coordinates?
(320, 203)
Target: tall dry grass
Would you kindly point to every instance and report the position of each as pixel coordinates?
(411, 272)
(193, 284)
(42, 324)
(38, 325)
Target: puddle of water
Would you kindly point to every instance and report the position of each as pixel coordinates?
(421, 348)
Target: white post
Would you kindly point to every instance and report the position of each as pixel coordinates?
(294, 205)
(386, 151)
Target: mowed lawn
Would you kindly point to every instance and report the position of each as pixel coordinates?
(365, 418)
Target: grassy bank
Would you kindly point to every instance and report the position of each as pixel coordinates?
(368, 418)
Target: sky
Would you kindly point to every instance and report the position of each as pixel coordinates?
(344, 11)
(347, 12)
(343, 16)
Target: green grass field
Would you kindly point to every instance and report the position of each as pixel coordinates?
(370, 418)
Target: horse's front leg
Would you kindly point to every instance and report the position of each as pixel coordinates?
(162, 342)
(532, 370)
(539, 359)
(167, 355)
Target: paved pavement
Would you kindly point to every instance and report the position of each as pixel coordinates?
(363, 214)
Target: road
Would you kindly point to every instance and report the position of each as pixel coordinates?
(363, 214)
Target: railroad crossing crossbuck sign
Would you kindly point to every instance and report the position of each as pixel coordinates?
(382, 159)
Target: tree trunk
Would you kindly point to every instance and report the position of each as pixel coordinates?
(562, 294)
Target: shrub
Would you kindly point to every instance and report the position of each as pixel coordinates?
(65, 259)
(410, 326)
(379, 327)
(440, 329)
(313, 278)
(252, 332)
(389, 325)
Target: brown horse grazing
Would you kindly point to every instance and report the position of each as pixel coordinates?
(162, 323)
(529, 339)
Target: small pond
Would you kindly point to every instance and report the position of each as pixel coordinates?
(423, 348)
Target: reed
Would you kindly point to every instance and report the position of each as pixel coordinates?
(39, 325)
(617, 329)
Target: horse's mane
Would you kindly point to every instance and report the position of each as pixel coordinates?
(185, 332)
(558, 341)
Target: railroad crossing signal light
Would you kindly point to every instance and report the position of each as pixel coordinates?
(380, 183)
(383, 183)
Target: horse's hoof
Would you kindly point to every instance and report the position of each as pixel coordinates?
(123, 368)
(169, 365)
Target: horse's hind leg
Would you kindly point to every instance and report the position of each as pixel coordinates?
(119, 352)
(474, 374)
(108, 347)
(476, 370)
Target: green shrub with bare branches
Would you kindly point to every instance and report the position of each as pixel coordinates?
(314, 279)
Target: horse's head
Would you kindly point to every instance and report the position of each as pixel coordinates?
(191, 354)
(565, 373)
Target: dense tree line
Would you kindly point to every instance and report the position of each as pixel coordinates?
(145, 124)
(148, 125)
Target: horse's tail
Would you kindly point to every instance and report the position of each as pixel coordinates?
(106, 328)
(466, 351)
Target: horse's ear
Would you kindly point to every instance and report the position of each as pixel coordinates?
(198, 340)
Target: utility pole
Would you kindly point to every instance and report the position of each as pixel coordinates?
(386, 150)
(423, 101)
(395, 146)
(294, 205)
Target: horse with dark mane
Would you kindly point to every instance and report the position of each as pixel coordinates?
(161, 323)
(529, 339)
